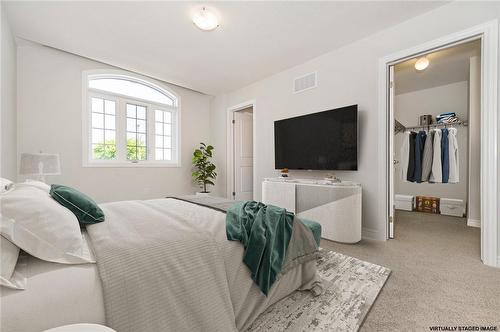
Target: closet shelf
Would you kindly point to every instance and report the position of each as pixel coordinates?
(434, 125)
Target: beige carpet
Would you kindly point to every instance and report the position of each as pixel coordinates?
(437, 275)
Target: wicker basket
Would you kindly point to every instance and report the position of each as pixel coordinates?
(427, 204)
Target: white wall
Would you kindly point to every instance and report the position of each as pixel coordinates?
(346, 76)
(49, 119)
(8, 136)
(407, 109)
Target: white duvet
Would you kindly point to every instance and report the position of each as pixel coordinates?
(166, 264)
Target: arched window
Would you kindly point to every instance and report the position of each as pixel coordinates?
(129, 121)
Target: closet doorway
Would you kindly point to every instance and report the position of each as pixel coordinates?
(435, 143)
(487, 33)
(241, 147)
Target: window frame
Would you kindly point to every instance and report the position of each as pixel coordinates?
(120, 125)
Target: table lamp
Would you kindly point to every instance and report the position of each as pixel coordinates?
(39, 164)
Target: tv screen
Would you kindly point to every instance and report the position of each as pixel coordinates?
(320, 141)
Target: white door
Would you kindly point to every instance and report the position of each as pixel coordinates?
(243, 154)
(392, 159)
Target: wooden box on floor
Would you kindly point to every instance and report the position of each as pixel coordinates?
(427, 204)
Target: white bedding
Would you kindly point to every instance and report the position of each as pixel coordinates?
(39, 225)
(60, 294)
(56, 294)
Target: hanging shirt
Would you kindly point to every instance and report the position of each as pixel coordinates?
(405, 155)
(419, 153)
(427, 158)
(437, 170)
(410, 176)
(445, 156)
(453, 156)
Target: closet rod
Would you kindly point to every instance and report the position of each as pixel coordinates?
(437, 125)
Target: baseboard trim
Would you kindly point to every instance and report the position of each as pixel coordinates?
(372, 234)
(474, 223)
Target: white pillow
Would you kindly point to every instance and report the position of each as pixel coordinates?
(9, 277)
(38, 184)
(37, 224)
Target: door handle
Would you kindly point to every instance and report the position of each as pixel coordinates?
(396, 161)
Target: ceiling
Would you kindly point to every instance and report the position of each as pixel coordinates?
(446, 66)
(254, 40)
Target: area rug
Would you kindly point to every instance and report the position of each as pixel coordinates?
(350, 289)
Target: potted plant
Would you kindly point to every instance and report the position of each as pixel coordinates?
(204, 172)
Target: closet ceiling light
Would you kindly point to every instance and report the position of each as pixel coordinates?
(421, 64)
(205, 19)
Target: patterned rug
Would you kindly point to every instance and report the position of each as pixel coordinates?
(351, 287)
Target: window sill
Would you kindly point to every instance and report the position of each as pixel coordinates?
(92, 164)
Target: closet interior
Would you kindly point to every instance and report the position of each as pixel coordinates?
(437, 133)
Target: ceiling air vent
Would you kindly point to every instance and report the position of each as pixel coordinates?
(306, 82)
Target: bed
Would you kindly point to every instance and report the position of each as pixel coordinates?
(162, 264)
(56, 294)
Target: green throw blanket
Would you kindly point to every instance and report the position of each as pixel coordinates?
(274, 240)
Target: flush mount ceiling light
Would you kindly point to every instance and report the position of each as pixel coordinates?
(421, 64)
(205, 19)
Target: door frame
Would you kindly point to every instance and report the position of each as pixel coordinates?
(230, 145)
(488, 33)
(391, 197)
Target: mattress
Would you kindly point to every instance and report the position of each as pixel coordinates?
(56, 294)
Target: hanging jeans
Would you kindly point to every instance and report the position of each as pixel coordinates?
(445, 157)
(410, 175)
(419, 152)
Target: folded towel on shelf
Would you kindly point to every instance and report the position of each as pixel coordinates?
(451, 119)
(445, 115)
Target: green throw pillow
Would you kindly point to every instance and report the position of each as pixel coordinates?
(84, 207)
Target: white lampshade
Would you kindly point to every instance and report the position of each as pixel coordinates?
(39, 164)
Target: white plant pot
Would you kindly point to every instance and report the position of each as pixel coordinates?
(202, 194)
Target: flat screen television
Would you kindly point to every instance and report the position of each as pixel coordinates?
(320, 141)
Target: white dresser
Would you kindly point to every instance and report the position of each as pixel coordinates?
(337, 206)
